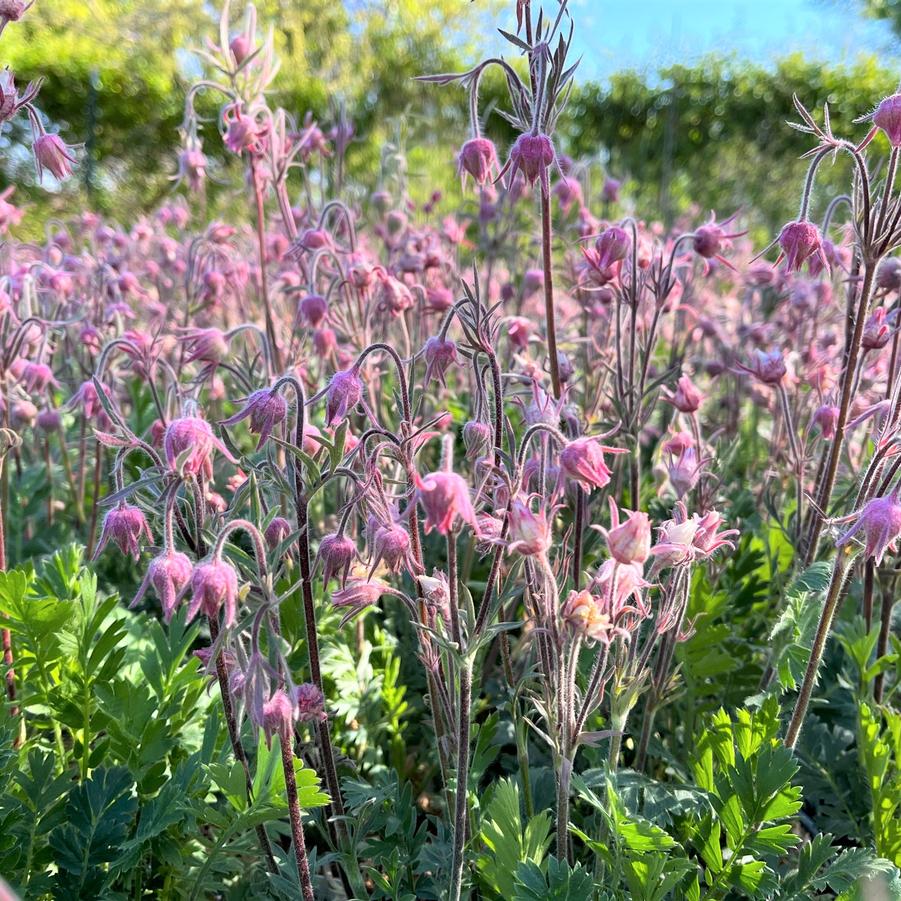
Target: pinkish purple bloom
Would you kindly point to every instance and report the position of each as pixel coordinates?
(54, 155)
(125, 526)
(440, 354)
(168, 575)
(477, 158)
(214, 585)
(799, 241)
(188, 444)
(583, 461)
(266, 409)
(445, 498)
(337, 552)
(880, 522)
(344, 392)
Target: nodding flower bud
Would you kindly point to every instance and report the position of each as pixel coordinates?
(518, 330)
(687, 398)
(208, 345)
(337, 553)
(88, 399)
(189, 442)
(168, 575)
(277, 531)
(36, 377)
(49, 420)
(392, 546)
(612, 245)
(240, 47)
(532, 155)
(310, 703)
(529, 532)
(629, 542)
(125, 525)
(584, 616)
(825, 418)
(478, 158)
(888, 118)
(888, 275)
(583, 461)
(214, 585)
(266, 409)
(278, 717)
(440, 354)
(53, 154)
(445, 498)
(877, 329)
(799, 241)
(880, 522)
(767, 366)
(477, 437)
(610, 190)
(357, 595)
(313, 308)
(344, 392)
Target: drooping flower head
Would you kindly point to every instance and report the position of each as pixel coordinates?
(533, 155)
(214, 585)
(310, 703)
(887, 118)
(798, 242)
(344, 392)
(124, 525)
(278, 716)
(880, 522)
(337, 552)
(54, 155)
(440, 355)
(266, 409)
(168, 575)
(478, 158)
(445, 498)
(530, 534)
(583, 461)
(629, 541)
(188, 444)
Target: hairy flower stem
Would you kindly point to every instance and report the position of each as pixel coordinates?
(95, 499)
(549, 315)
(833, 596)
(462, 787)
(885, 624)
(824, 489)
(264, 282)
(286, 740)
(234, 737)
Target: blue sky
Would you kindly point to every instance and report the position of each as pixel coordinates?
(648, 34)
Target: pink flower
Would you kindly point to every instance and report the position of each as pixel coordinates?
(477, 437)
(337, 553)
(241, 131)
(532, 155)
(344, 392)
(36, 377)
(278, 715)
(687, 398)
(768, 367)
(445, 498)
(209, 345)
(313, 308)
(825, 418)
(214, 584)
(188, 444)
(583, 461)
(583, 613)
(125, 525)
(168, 575)
(310, 703)
(477, 158)
(877, 330)
(610, 190)
(529, 532)
(799, 241)
(277, 531)
(89, 400)
(53, 154)
(629, 542)
(888, 118)
(391, 545)
(518, 330)
(611, 246)
(880, 521)
(357, 595)
(266, 409)
(440, 354)
(708, 537)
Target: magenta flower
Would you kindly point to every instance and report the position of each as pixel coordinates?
(278, 715)
(887, 118)
(767, 366)
(825, 418)
(709, 538)
(310, 703)
(277, 531)
(477, 437)
(630, 541)
(89, 401)
(440, 354)
(530, 535)
(36, 377)
(687, 398)
(214, 585)
(337, 553)
(583, 461)
(798, 242)
(125, 525)
(477, 158)
(532, 155)
(880, 521)
(188, 444)
(445, 498)
(52, 153)
(357, 595)
(168, 575)
(611, 246)
(391, 545)
(209, 345)
(344, 392)
(313, 308)
(266, 409)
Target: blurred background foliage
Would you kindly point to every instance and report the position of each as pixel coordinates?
(712, 134)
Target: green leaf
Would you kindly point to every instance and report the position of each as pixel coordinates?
(560, 883)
